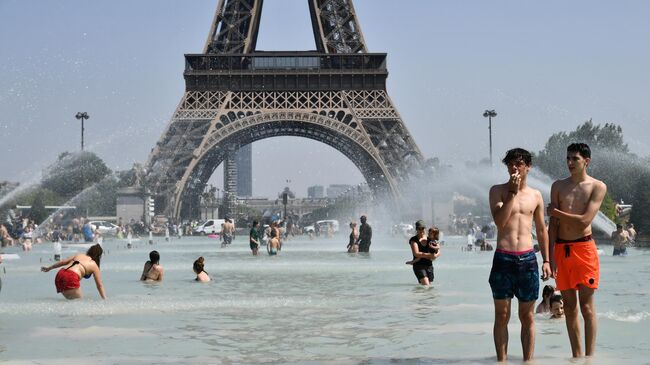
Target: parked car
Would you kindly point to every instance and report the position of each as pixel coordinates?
(404, 229)
(322, 226)
(104, 227)
(210, 226)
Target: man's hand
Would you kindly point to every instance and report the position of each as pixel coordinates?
(513, 183)
(553, 267)
(547, 273)
(550, 210)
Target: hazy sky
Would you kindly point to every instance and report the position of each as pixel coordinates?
(544, 66)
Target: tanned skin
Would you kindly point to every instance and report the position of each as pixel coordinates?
(514, 207)
(574, 204)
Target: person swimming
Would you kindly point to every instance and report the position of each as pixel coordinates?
(152, 270)
(68, 279)
(201, 274)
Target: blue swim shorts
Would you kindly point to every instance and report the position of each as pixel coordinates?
(514, 274)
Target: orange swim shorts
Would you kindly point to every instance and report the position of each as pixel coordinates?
(577, 263)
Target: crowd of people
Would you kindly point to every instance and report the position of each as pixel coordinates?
(567, 249)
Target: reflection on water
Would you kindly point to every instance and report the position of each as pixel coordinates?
(312, 304)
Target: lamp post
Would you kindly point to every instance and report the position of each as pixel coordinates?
(83, 116)
(490, 114)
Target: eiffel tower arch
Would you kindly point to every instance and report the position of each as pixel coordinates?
(236, 95)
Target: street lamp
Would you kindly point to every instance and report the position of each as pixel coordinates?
(490, 114)
(83, 116)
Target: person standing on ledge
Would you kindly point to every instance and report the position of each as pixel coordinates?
(365, 235)
(575, 201)
(514, 206)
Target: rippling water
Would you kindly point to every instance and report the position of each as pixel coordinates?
(311, 304)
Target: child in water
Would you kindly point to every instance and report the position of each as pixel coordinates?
(432, 241)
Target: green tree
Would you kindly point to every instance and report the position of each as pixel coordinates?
(640, 215)
(611, 160)
(38, 212)
(99, 199)
(74, 172)
(609, 208)
(552, 159)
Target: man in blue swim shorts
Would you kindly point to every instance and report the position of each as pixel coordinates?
(514, 273)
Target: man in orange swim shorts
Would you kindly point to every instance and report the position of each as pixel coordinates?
(574, 204)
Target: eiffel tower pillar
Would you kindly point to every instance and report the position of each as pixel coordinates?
(230, 179)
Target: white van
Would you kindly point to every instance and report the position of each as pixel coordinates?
(210, 226)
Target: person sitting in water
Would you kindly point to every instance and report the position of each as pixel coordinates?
(152, 270)
(557, 306)
(68, 279)
(201, 275)
(545, 305)
(274, 243)
(27, 237)
(433, 236)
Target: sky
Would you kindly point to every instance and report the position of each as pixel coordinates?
(544, 67)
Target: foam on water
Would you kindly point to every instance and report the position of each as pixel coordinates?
(629, 316)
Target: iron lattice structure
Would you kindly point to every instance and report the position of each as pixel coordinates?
(236, 95)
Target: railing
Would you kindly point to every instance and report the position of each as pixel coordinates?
(289, 61)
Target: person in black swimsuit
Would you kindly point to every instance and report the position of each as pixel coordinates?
(424, 252)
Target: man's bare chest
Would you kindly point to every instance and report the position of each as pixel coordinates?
(574, 198)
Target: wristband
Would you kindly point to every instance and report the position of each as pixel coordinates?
(545, 262)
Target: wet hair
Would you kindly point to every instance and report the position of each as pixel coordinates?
(95, 252)
(363, 218)
(274, 233)
(517, 154)
(548, 291)
(556, 298)
(154, 257)
(581, 148)
(353, 224)
(619, 226)
(255, 223)
(436, 232)
(198, 265)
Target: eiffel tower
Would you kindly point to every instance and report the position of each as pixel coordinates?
(235, 95)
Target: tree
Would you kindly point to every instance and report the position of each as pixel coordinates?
(552, 159)
(38, 212)
(72, 173)
(611, 160)
(640, 215)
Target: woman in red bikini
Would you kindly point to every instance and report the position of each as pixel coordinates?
(68, 279)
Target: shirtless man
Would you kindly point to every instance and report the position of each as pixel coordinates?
(574, 259)
(228, 232)
(514, 207)
(620, 239)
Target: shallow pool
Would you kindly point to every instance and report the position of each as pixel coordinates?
(311, 304)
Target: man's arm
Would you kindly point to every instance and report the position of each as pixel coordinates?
(501, 208)
(553, 224)
(542, 237)
(584, 219)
